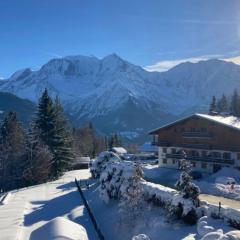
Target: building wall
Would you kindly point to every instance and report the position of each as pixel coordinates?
(203, 166)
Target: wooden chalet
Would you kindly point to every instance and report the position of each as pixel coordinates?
(210, 142)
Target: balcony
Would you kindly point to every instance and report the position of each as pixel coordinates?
(197, 135)
(160, 143)
(202, 159)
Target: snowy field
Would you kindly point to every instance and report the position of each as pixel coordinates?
(207, 184)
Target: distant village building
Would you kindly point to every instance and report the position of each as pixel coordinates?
(210, 142)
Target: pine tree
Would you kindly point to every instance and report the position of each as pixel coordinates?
(213, 106)
(114, 141)
(235, 104)
(45, 119)
(222, 105)
(185, 185)
(12, 152)
(55, 133)
(62, 142)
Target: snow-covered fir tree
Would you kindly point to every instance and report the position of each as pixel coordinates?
(188, 200)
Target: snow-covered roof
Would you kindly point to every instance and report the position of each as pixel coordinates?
(119, 150)
(229, 121)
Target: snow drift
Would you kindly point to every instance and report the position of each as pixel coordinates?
(60, 228)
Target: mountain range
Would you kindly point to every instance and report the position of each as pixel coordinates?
(118, 96)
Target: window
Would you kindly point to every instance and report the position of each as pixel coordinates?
(192, 130)
(174, 151)
(203, 130)
(175, 130)
(204, 165)
(165, 161)
(173, 161)
(216, 154)
(164, 150)
(194, 153)
(238, 156)
(204, 153)
(226, 155)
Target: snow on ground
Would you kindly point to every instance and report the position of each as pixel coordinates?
(153, 221)
(208, 185)
(165, 176)
(29, 209)
(60, 228)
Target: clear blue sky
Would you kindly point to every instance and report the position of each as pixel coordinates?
(141, 31)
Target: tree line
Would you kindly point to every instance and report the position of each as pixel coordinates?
(47, 148)
(226, 105)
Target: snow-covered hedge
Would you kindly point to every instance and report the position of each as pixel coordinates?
(230, 215)
(117, 177)
(172, 200)
(99, 164)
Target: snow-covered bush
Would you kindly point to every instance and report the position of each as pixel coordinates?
(97, 165)
(117, 178)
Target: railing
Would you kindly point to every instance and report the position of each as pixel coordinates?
(90, 213)
(160, 143)
(201, 158)
(197, 135)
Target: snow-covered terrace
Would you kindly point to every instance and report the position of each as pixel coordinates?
(29, 209)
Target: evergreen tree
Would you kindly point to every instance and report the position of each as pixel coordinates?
(55, 133)
(45, 119)
(12, 152)
(114, 141)
(213, 106)
(222, 105)
(185, 185)
(235, 104)
(62, 142)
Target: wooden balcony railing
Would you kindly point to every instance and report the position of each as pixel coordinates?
(201, 158)
(197, 135)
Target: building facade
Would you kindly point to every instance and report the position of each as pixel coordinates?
(210, 142)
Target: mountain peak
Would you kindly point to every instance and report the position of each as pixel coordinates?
(113, 57)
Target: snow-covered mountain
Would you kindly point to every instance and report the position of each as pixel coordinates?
(119, 96)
